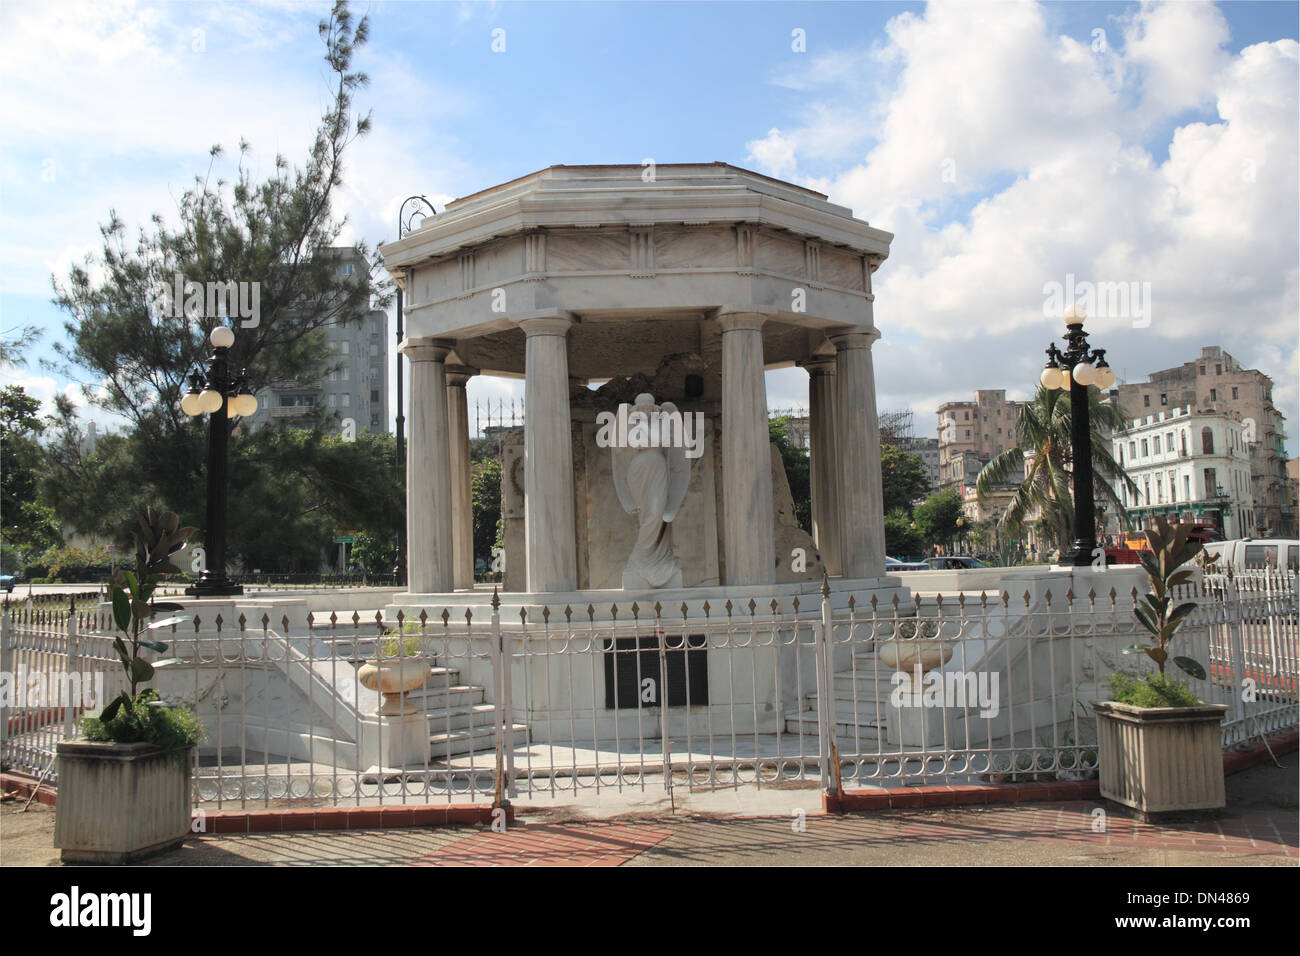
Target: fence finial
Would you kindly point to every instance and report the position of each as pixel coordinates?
(826, 584)
(496, 598)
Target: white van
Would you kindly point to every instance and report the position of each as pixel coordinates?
(1257, 553)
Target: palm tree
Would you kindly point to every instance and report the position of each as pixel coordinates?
(1042, 456)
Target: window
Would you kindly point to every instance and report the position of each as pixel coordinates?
(1146, 401)
(1146, 448)
(1173, 486)
(347, 269)
(334, 375)
(346, 399)
(1218, 370)
(1214, 394)
(968, 433)
(345, 347)
(1184, 444)
(1207, 441)
(1132, 450)
(347, 373)
(374, 395)
(374, 349)
(333, 400)
(1261, 556)
(1187, 487)
(1146, 490)
(1164, 398)
(1202, 369)
(1293, 558)
(1155, 445)
(1211, 482)
(1234, 391)
(965, 416)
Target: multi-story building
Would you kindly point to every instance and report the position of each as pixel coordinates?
(1217, 384)
(985, 427)
(354, 384)
(927, 449)
(1189, 465)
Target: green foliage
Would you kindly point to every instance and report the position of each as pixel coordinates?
(902, 541)
(280, 233)
(1165, 568)
(76, 564)
(146, 719)
(903, 478)
(936, 517)
(372, 556)
(798, 470)
(485, 498)
(408, 647)
(27, 527)
(1152, 690)
(1043, 448)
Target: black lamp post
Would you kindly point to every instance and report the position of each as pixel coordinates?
(220, 395)
(1076, 369)
(405, 222)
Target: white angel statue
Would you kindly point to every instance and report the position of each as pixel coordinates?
(651, 472)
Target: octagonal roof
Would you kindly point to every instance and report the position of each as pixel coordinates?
(632, 195)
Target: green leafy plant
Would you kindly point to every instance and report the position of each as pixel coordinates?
(1164, 564)
(1155, 690)
(140, 716)
(407, 647)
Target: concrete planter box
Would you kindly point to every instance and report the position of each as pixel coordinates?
(1161, 759)
(119, 802)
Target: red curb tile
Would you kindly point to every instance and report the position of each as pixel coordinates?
(334, 819)
(902, 799)
(398, 817)
(264, 823)
(227, 823)
(365, 819)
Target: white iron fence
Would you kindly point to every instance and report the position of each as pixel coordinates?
(478, 701)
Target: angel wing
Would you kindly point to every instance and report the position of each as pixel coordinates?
(679, 473)
(620, 456)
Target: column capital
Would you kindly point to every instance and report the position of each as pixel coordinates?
(458, 375)
(546, 322)
(740, 320)
(853, 338)
(818, 365)
(425, 348)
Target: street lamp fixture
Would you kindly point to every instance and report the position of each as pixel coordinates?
(1077, 368)
(221, 395)
(405, 223)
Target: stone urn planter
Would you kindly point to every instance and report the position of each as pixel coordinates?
(120, 802)
(1160, 760)
(906, 652)
(394, 678)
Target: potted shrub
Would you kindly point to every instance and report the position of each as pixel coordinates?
(124, 790)
(1160, 747)
(396, 670)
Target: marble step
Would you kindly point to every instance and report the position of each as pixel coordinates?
(460, 717)
(477, 740)
(805, 723)
(436, 696)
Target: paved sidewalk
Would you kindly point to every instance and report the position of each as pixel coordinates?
(1259, 827)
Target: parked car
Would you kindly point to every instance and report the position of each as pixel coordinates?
(1245, 554)
(1121, 556)
(7, 581)
(955, 562)
(893, 564)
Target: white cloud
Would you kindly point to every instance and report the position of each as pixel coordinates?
(1051, 171)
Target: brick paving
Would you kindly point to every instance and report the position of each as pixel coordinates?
(590, 844)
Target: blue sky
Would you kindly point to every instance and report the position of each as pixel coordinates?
(1118, 160)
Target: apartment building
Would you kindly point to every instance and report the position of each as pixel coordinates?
(1216, 384)
(972, 433)
(1191, 466)
(354, 384)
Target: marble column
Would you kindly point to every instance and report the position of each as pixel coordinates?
(862, 519)
(552, 556)
(428, 475)
(823, 425)
(749, 539)
(462, 506)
